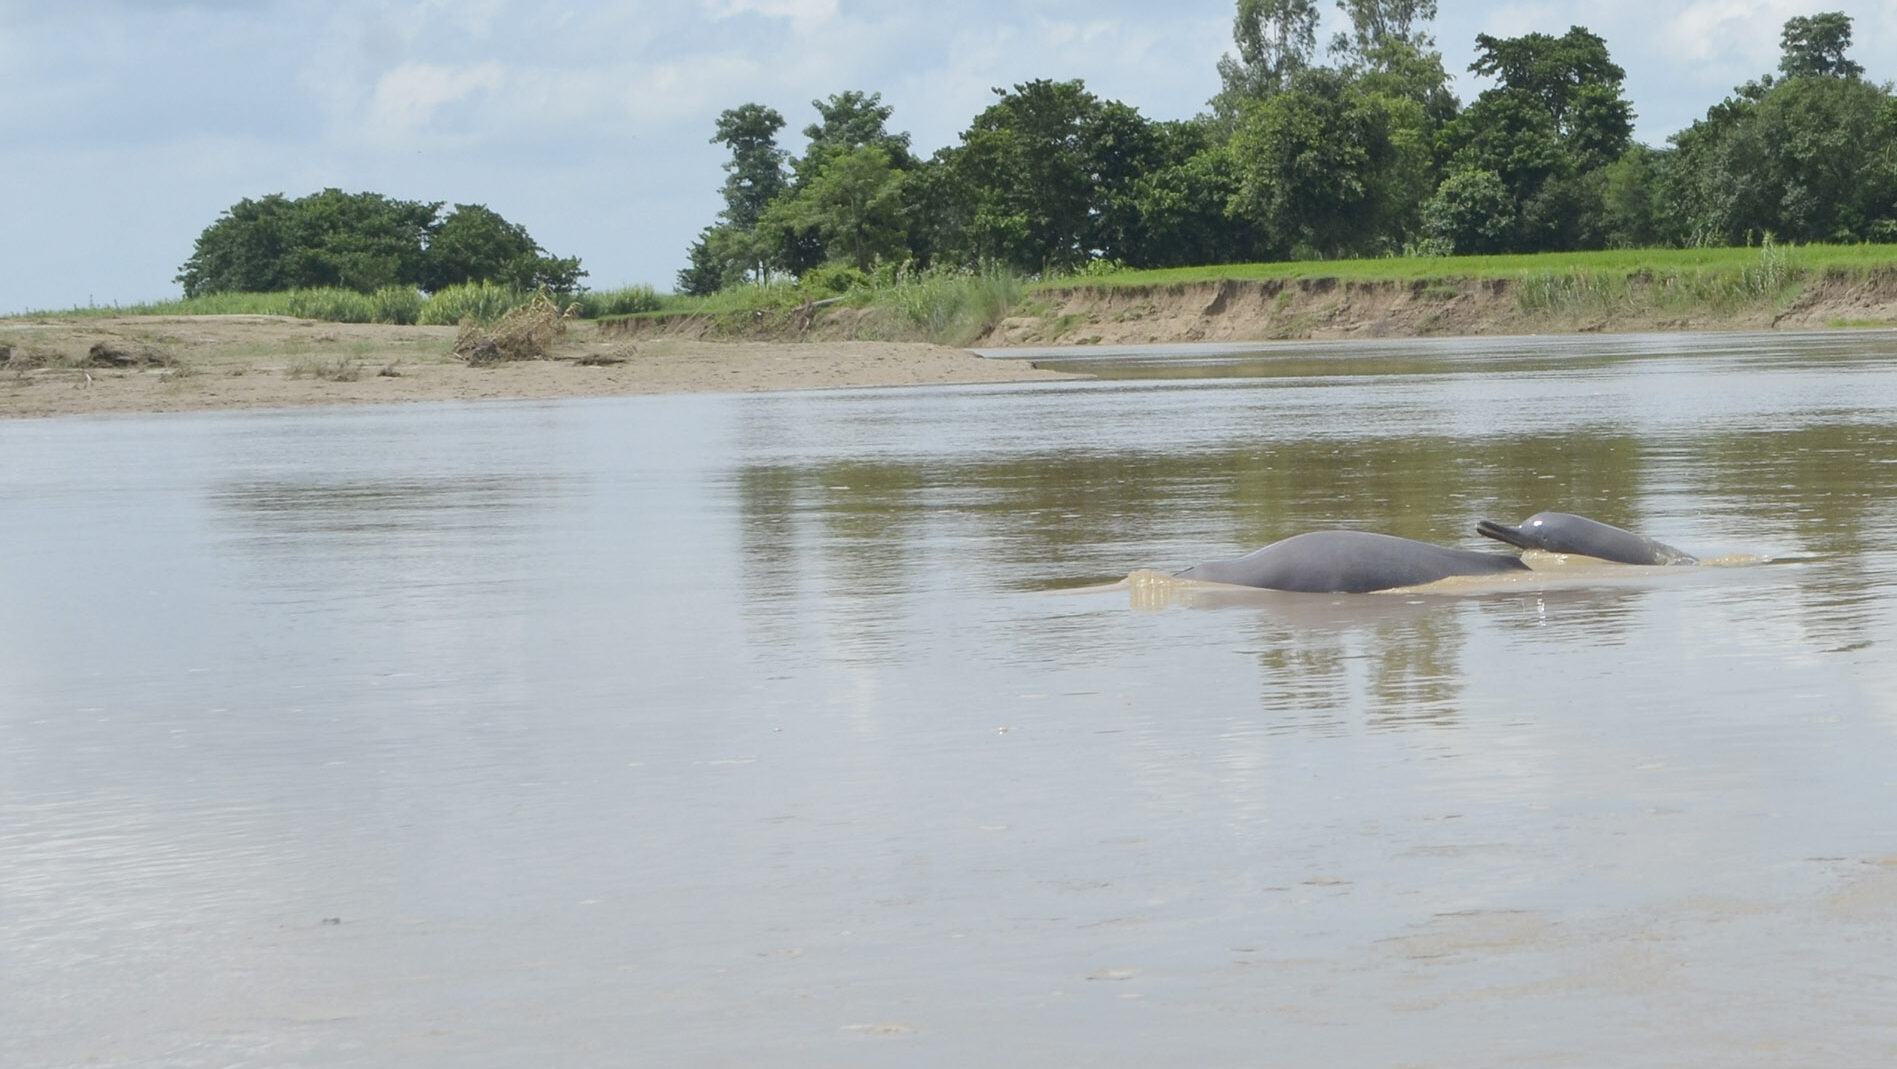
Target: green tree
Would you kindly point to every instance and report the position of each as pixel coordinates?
(243, 251)
(1313, 165)
(360, 241)
(794, 240)
(474, 244)
(937, 208)
(1040, 180)
(1555, 70)
(1400, 69)
(754, 175)
(720, 257)
(1328, 169)
(1122, 146)
(854, 207)
(1814, 45)
(731, 251)
(1275, 39)
(1189, 209)
(1472, 212)
(365, 241)
(1556, 118)
(849, 121)
(1810, 158)
(1376, 25)
(1633, 213)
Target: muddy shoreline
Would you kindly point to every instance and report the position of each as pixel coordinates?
(78, 366)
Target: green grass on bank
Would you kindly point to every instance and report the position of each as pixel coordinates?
(955, 306)
(1625, 262)
(943, 305)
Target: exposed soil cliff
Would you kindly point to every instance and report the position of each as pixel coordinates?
(1328, 308)
(1331, 309)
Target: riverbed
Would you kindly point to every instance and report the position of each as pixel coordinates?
(822, 728)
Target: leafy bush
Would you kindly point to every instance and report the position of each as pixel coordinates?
(832, 279)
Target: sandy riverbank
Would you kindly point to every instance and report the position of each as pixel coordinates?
(187, 363)
(78, 365)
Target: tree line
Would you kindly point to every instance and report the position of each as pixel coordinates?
(367, 242)
(1367, 154)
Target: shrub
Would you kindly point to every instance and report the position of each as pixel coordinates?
(832, 279)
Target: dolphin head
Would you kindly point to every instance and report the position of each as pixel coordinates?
(1563, 532)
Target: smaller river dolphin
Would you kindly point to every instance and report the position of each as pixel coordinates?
(1349, 562)
(1560, 532)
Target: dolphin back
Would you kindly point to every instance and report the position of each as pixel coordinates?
(1349, 562)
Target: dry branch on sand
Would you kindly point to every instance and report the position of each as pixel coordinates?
(524, 333)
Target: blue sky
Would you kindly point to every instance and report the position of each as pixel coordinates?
(128, 125)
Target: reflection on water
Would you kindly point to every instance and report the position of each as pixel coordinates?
(376, 506)
(819, 729)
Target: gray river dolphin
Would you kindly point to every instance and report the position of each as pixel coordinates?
(1561, 532)
(1349, 562)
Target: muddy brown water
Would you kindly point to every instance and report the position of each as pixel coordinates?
(797, 728)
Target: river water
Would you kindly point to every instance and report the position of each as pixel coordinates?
(810, 729)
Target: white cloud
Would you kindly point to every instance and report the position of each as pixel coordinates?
(802, 12)
(1728, 29)
(473, 17)
(1064, 34)
(691, 87)
(406, 98)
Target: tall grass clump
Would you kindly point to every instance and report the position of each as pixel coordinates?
(627, 300)
(210, 304)
(775, 295)
(1770, 276)
(482, 302)
(1776, 270)
(950, 306)
(333, 305)
(397, 305)
(1580, 293)
(400, 305)
(1727, 283)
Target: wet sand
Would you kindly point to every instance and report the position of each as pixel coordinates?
(179, 363)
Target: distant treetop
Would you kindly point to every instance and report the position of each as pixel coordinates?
(364, 242)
